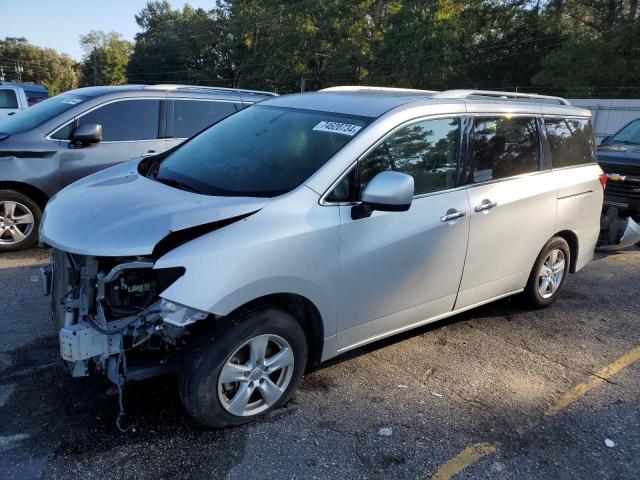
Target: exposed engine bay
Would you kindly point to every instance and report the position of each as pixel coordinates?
(111, 318)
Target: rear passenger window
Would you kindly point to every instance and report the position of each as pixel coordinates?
(428, 151)
(505, 147)
(126, 120)
(8, 99)
(33, 98)
(571, 141)
(191, 116)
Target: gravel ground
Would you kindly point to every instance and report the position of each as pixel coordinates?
(485, 376)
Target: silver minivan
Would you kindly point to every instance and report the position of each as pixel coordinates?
(307, 225)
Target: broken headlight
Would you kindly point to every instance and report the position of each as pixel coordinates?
(134, 289)
(180, 315)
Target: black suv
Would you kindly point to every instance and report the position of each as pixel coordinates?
(57, 141)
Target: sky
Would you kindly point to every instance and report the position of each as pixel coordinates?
(58, 24)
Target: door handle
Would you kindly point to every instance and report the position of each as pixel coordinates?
(148, 153)
(485, 205)
(452, 214)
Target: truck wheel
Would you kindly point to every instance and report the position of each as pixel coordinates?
(245, 370)
(19, 221)
(549, 273)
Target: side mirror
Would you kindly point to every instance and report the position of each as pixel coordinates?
(605, 139)
(87, 134)
(386, 192)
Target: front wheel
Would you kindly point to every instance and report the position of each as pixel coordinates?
(549, 273)
(19, 220)
(245, 370)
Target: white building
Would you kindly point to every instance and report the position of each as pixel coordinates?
(609, 115)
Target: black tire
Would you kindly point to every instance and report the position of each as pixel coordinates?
(531, 293)
(7, 243)
(202, 364)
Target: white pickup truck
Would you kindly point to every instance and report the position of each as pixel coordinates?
(18, 96)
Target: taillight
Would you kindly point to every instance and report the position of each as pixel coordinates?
(603, 180)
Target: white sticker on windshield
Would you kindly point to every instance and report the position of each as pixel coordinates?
(72, 101)
(337, 127)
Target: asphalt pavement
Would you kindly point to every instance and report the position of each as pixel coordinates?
(497, 392)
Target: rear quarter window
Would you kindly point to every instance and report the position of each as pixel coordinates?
(571, 141)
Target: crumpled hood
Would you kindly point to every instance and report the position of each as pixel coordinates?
(118, 212)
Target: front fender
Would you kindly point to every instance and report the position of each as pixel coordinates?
(290, 246)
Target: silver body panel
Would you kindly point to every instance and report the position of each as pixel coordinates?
(141, 213)
(368, 278)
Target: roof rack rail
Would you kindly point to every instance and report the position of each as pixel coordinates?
(498, 94)
(168, 86)
(355, 88)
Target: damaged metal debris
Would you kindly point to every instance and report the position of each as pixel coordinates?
(107, 308)
(617, 232)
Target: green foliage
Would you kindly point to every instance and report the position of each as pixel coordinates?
(566, 47)
(177, 46)
(39, 65)
(607, 65)
(106, 58)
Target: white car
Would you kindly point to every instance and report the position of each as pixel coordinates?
(19, 96)
(307, 225)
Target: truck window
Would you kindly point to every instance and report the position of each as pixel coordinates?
(8, 99)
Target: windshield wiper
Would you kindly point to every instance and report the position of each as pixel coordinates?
(177, 184)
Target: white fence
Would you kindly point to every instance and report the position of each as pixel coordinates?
(609, 115)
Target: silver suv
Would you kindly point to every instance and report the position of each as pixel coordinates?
(310, 224)
(69, 136)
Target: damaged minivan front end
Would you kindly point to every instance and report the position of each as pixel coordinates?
(105, 292)
(106, 307)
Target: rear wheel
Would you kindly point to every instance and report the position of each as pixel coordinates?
(549, 273)
(19, 221)
(247, 369)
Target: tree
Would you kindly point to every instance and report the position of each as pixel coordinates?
(39, 65)
(599, 54)
(106, 58)
(552, 46)
(178, 46)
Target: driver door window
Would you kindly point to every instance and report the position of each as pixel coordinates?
(129, 130)
(427, 150)
(123, 121)
(127, 120)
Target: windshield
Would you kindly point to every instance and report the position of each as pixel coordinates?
(260, 151)
(32, 117)
(629, 135)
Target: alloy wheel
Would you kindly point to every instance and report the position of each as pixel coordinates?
(256, 375)
(16, 222)
(551, 273)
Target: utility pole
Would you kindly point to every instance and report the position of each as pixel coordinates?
(95, 68)
(19, 71)
(302, 85)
